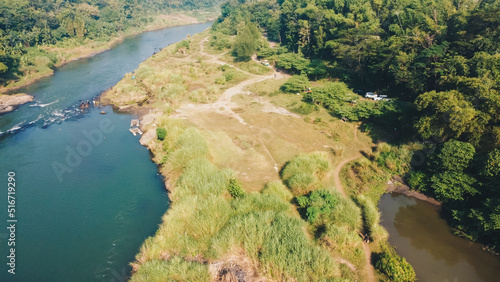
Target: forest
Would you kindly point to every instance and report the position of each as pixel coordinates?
(28, 24)
(438, 60)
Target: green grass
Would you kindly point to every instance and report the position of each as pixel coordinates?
(371, 220)
(174, 269)
(304, 173)
(278, 189)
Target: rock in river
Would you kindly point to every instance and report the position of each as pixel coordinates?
(9, 103)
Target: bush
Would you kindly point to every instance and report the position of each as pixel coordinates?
(317, 203)
(417, 180)
(234, 188)
(295, 84)
(305, 109)
(293, 62)
(394, 266)
(161, 133)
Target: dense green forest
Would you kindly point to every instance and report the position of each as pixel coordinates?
(439, 58)
(26, 24)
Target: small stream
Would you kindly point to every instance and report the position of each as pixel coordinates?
(428, 244)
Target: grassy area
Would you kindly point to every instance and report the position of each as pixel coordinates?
(205, 225)
(290, 222)
(174, 76)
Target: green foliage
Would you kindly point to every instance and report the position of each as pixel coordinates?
(219, 41)
(161, 133)
(417, 180)
(245, 43)
(234, 188)
(183, 45)
(492, 164)
(3, 68)
(455, 156)
(295, 84)
(394, 266)
(294, 63)
(445, 114)
(452, 186)
(305, 109)
(278, 242)
(317, 203)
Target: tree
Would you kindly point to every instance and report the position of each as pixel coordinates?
(445, 115)
(453, 186)
(454, 156)
(246, 42)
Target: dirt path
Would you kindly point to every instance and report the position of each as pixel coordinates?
(368, 265)
(370, 271)
(223, 105)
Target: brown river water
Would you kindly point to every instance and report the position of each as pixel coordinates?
(427, 242)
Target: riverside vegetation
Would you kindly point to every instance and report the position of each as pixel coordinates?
(36, 36)
(256, 173)
(250, 170)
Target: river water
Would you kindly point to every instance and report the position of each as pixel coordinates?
(428, 244)
(87, 194)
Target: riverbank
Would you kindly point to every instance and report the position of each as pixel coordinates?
(396, 185)
(88, 48)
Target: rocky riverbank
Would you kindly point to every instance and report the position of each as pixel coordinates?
(9, 103)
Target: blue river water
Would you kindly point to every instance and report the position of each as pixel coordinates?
(87, 193)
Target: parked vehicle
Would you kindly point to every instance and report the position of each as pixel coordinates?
(370, 95)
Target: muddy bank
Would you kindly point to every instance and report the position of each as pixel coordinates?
(396, 185)
(9, 103)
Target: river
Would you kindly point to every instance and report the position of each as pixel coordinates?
(428, 244)
(87, 193)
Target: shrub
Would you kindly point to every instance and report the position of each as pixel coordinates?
(305, 109)
(394, 266)
(417, 180)
(234, 188)
(317, 203)
(161, 133)
(296, 83)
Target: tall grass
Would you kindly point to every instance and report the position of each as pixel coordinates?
(174, 269)
(278, 189)
(278, 243)
(304, 173)
(371, 219)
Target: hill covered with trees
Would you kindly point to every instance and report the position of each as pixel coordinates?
(26, 25)
(440, 60)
